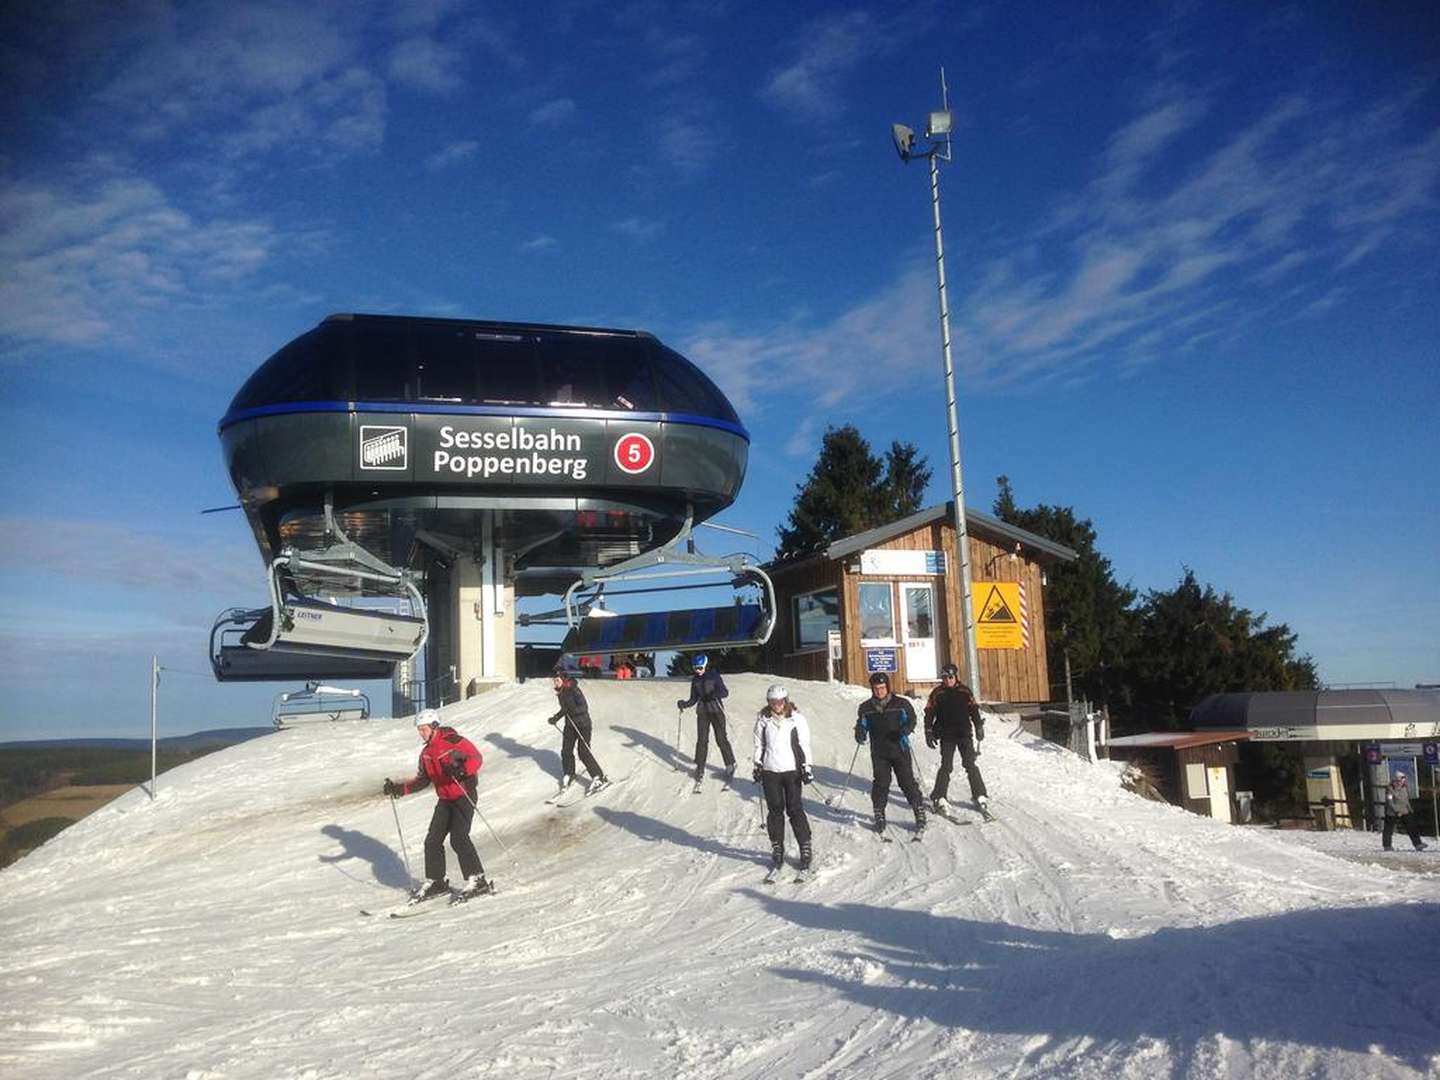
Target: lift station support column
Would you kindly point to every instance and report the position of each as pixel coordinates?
(485, 617)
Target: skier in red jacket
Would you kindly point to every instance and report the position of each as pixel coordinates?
(450, 762)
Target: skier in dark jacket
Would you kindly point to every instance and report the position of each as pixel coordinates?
(450, 762)
(708, 694)
(950, 715)
(887, 720)
(575, 711)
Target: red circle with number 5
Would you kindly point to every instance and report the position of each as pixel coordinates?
(634, 453)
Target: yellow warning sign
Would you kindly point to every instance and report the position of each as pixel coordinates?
(998, 615)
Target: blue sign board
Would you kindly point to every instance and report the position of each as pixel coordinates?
(885, 660)
(1432, 752)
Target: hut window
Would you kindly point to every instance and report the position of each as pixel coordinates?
(816, 614)
(877, 611)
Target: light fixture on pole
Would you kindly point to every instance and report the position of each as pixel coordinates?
(937, 130)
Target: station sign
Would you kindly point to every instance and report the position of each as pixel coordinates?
(886, 660)
(902, 563)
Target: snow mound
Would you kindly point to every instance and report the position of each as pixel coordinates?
(215, 932)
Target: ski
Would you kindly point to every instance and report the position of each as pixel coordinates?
(407, 910)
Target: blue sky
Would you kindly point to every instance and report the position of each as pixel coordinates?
(1193, 256)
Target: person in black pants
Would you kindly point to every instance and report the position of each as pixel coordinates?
(782, 766)
(1398, 809)
(887, 720)
(950, 714)
(708, 694)
(575, 710)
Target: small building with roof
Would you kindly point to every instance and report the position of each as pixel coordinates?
(889, 599)
(1193, 769)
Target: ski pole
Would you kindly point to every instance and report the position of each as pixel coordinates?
(845, 784)
(679, 725)
(404, 855)
(575, 728)
(481, 815)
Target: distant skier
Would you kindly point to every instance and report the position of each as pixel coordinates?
(575, 711)
(1398, 809)
(782, 765)
(950, 715)
(708, 694)
(451, 762)
(887, 720)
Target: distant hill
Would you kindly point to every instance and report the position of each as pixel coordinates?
(199, 740)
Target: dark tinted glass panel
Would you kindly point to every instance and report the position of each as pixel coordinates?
(596, 371)
(684, 388)
(310, 368)
(444, 363)
(384, 360)
(506, 368)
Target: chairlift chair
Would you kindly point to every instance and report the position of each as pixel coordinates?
(299, 636)
(594, 631)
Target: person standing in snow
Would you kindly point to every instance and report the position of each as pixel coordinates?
(782, 765)
(950, 716)
(575, 711)
(708, 694)
(1398, 809)
(450, 762)
(886, 721)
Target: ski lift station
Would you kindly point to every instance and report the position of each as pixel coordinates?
(407, 480)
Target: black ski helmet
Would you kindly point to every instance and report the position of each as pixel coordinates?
(879, 677)
(951, 670)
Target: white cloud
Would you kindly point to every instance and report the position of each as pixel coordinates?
(82, 267)
(638, 228)
(808, 87)
(539, 243)
(553, 114)
(685, 140)
(427, 64)
(452, 154)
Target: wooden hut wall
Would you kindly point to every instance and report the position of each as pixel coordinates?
(781, 656)
(1014, 675)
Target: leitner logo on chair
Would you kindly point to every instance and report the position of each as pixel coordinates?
(384, 447)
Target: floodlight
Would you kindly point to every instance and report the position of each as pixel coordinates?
(904, 140)
(939, 124)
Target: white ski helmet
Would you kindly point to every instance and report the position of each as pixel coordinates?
(776, 693)
(427, 716)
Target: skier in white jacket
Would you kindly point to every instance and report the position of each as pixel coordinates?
(782, 765)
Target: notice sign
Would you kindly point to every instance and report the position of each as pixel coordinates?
(997, 615)
(881, 660)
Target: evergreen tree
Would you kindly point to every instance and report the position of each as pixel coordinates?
(1193, 642)
(1088, 614)
(850, 490)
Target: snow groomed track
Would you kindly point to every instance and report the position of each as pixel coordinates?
(215, 933)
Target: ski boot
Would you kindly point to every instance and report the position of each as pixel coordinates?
(597, 784)
(565, 782)
(730, 772)
(880, 820)
(428, 890)
(806, 856)
(939, 805)
(919, 820)
(478, 885)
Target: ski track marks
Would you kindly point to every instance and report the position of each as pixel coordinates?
(212, 932)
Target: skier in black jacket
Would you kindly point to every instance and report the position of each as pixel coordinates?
(576, 712)
(950, 714)
(887, 720)
(708, 694)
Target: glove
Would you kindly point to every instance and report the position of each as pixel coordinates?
(391, 788)
(931, 741)
(905, 742)
(680, 703)
(756, 774)
(977, 749)
(554, 719)
(456, 768)
(859, 734)
(807, 774)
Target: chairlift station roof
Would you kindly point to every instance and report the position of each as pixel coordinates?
(589, 444)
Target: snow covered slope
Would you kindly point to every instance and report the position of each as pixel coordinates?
(216, 932)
